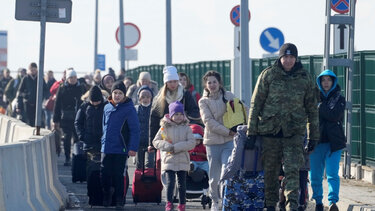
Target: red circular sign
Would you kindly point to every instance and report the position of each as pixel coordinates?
(132, 35)
(235, 15)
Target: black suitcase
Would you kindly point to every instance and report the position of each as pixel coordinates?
(79, 163)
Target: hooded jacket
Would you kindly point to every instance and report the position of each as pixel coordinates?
(143, 113)
(120, 128)
(134, 90)
(331, 114)
(212, 109)
(182, 141)
(284, 103)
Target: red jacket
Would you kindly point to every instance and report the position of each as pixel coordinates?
(200, 148)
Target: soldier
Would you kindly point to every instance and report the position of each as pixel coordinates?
(283, 102)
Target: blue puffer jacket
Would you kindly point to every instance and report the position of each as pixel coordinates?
(120, 128)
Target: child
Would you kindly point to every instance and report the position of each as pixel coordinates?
(198, 155)
(120, 139)
(174, 139)
(145, 97)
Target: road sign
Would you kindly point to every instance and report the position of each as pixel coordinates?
(235, 15)
(3, 49)
(130, 54)
(59, 11)
(340, 38)
(271, 39)
(132, 35)
(340, 6)
(101, 61)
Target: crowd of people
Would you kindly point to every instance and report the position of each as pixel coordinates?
(116, 119)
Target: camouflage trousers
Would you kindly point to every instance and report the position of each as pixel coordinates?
(288, 151)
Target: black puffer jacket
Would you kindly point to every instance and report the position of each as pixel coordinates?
(88, 124)
(331, 114)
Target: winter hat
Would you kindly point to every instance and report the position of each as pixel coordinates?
(70, 73)
(95, 94)
(144, 75)
(288, 49)
(170, 74)
(175, 107)
(197, 131)
(120, 86)
(145, 87)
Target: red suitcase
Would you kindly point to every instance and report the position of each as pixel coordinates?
(147, 186)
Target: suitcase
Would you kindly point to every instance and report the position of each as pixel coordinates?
(94, 187)
(79, 163)
(147, 186)
(245, 191)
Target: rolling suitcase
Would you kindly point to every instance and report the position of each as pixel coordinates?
(147, 186)
(79, 163)
(245, 190)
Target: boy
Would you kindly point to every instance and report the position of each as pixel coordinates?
(198, 155)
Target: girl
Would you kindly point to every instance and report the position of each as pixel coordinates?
(120, 138)
(186, 83)
(174, 140)
(217, 138)
(327, 153)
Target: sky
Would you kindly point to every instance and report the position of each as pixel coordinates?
(201, 31)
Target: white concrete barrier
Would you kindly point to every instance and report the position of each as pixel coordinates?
(28, 169)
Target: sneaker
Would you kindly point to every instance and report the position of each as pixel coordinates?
(319, 207)
(215, 206)
(169, 206)
(181, 207)
(333, 207)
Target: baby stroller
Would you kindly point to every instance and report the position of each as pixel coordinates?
(197, 187)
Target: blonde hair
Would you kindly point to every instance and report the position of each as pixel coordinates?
(159, 103)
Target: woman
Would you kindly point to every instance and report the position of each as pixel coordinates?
(170, 92)
(217, 138)
(186, 83)
(327, 153)
(143, 79)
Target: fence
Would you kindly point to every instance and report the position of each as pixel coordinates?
(363, 129)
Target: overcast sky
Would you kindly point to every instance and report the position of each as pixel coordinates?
(201, 31)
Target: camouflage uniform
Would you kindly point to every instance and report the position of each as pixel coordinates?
(283, 105)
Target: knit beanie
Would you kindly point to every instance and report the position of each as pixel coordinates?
(197, 131)
(70, 73)
(288, 49)
(144, 75)
(95, 94)
(170, 74)
(120, 86)
(175, 107)
(145, 87)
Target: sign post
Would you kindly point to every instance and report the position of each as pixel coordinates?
(3, 49)
(271, 39)
(43, 11)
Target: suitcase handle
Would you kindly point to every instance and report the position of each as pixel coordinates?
(143, 163)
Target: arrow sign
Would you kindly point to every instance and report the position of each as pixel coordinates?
(342, 28)
(271, 39)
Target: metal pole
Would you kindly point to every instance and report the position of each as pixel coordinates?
(122, 35)
(244, 49)
(169, 34)
(39, 96)
(96, 37)
(327, 35)
(349, 89)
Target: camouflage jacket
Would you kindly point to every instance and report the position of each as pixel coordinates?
(284, 101)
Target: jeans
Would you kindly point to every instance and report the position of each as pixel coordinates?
(171, 182)
(322, 158)
(217, 156)
(48, 116)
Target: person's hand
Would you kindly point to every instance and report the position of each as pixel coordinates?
(310, 145)
(169, 148)
(250, 142)
(232, 133)
(132, 153)
(18, 110)
(150, 148)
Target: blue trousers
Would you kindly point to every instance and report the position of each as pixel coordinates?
(322, 158)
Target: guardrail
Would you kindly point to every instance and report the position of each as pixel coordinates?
(28, 169)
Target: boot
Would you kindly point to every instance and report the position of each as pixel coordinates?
(107, 197)
(319, 207)
(333, 207)
(270, 208)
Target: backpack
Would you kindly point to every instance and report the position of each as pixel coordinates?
(235, 114)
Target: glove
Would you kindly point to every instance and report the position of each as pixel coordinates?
(250, 142)
(310, 145)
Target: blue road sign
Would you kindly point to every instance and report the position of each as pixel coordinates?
(271, 39)
(235, 15)
(340, 6)
(101, 61)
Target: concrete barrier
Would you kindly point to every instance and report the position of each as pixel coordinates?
(28, 169)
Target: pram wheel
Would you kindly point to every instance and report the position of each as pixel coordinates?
(206, 201)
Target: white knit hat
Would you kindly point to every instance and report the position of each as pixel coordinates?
(70, 73)
(170, 74)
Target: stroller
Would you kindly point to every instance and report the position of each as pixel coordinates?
(197, 187)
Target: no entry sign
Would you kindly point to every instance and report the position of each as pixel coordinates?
(340, 6)
(235, 15)
(132, 35)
